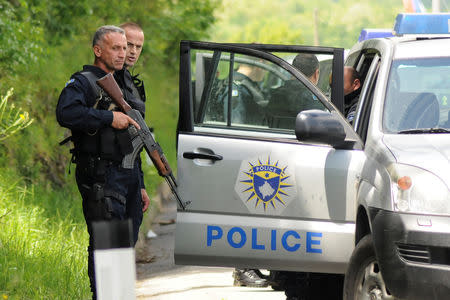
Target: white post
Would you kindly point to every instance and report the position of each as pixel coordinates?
(436, 6)
(114, 260)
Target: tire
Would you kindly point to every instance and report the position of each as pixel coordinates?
(363, 279)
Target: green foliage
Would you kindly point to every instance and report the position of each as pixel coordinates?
(166, 22)
(42, 243)
(42, 42)
(339, 22)
(12, 119)
(21, 38)
(27, 28)
(52, 39)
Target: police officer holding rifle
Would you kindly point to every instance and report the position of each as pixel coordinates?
(101, 140)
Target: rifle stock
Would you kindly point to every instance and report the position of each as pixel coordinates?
(110, 86)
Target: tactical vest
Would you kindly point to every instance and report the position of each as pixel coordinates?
(133, 90)
(106, 143)
(138, 87)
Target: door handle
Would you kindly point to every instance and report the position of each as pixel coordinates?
(193, 155)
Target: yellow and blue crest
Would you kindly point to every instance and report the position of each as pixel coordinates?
(266, 184)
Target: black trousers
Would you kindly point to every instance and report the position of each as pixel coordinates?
(123, 188)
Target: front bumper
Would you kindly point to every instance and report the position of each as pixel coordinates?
(413, 253)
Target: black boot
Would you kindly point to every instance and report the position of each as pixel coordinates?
(248, 277)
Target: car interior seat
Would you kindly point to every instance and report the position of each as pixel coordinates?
(422, 112)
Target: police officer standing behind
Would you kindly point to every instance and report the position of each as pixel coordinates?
(99, 134)
(132, 84)
(133, 91)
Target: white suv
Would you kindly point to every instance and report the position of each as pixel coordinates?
(318, 196)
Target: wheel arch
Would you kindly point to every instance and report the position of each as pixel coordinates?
(362, 224)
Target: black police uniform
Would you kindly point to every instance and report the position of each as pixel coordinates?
(109, 192)
(134, 93)
(350, 104)
(246, 96)
(287, 101)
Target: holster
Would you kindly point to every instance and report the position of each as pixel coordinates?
(104, 204)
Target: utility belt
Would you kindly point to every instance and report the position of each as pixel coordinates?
(102, 203)
(93, 166)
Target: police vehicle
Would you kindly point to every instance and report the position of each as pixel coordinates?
(316, 198)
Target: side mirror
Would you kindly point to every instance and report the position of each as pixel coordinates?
(320, 127)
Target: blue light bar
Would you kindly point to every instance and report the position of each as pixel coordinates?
(422, 24)
(369, 33)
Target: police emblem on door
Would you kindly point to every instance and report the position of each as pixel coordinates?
(265, 185)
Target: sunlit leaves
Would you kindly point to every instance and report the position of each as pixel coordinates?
(12, 118)
(21, 38)
(338, 23)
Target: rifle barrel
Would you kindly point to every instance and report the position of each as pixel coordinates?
(175, 193)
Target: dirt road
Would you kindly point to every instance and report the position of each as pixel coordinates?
(159, 278)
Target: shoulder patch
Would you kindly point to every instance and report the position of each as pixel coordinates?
(234, 93)
(69, 82)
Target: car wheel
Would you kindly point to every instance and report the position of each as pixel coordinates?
(363, 280)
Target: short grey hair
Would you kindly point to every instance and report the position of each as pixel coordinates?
(102, 31)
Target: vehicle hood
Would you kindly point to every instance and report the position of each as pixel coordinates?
(427, 151)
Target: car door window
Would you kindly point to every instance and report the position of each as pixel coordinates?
(371, 65)
(263, 96)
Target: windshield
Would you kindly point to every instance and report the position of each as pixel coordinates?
(418, 96)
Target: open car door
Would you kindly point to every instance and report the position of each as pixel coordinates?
(260, 198)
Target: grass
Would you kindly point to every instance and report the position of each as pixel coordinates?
(43, 240)
(42, 243)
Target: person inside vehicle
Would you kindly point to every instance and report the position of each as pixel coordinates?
(293, 96)
(352, 89)
(246, 94)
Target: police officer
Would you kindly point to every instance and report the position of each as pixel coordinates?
(292, 97)
(99, 134)
(352, 89)
(133, 90)
(246, 95)
(133, 85)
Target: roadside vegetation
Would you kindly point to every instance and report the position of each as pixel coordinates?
(43, 236)
(333, 23)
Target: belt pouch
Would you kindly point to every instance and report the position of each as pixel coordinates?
(124, 141)
(107, 142)
(88, 143)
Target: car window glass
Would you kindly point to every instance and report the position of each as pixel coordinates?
(263, 96)
(418, 95)
(367, 107)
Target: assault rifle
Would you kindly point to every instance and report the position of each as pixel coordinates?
(141, 138)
